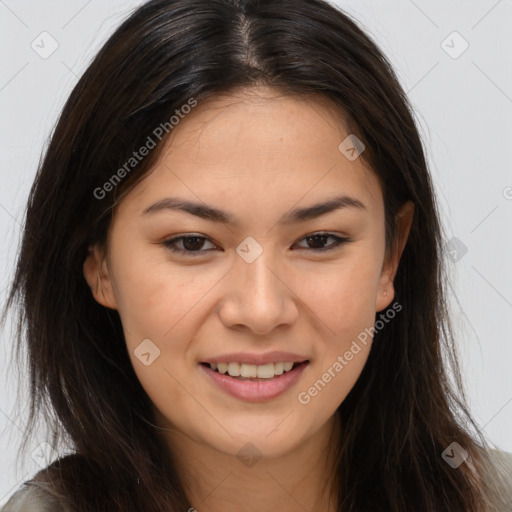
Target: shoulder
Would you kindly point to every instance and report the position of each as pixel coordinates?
(497, 480)
(502, 459)
(502, 464)
(40, 494)
(34, 497)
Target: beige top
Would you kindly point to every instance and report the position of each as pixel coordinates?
(37, 496)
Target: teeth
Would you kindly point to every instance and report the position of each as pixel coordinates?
(264, 371)
(248, 370)
(234, 369)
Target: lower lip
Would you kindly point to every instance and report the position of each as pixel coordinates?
(256, 390)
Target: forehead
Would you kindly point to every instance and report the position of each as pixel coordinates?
(258, 148)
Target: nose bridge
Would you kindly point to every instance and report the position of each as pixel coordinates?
(254, 271)
(258, 298)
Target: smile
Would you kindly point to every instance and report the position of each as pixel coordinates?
(254, 383)
(247, 371)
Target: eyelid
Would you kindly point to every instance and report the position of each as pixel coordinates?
(339, 241)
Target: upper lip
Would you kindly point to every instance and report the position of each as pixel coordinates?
(257, 359)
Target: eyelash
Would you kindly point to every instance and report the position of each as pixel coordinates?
(339, 241)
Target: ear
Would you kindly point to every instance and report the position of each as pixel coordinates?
(386, 290)
(97, 275)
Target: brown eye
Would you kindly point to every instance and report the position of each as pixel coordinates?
(317, 241)
(191, 244)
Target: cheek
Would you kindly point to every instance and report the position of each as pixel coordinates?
(158, 313)
(344, 298)
(343, 295)
(152, 294)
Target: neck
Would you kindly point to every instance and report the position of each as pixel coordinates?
(303, 479)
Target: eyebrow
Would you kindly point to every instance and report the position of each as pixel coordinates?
(216, 215)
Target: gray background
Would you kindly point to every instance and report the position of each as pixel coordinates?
(463, 101)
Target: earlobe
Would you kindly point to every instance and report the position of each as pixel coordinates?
(98, 277)
(403, 223)
(385, 295)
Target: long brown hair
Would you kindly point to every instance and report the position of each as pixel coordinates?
(404, 410)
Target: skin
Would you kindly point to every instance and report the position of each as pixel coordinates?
(256, 154)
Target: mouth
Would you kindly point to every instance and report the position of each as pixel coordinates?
(254, 383)
(252, 372)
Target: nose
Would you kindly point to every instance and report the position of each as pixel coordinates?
(258, 297)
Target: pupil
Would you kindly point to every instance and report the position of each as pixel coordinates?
(316, 237)
(192, 247)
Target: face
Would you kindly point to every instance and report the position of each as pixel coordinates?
(251, 271)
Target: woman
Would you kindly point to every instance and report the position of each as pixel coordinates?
(205, 341)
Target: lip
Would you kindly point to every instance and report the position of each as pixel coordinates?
(256, 390)
(258, 359)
